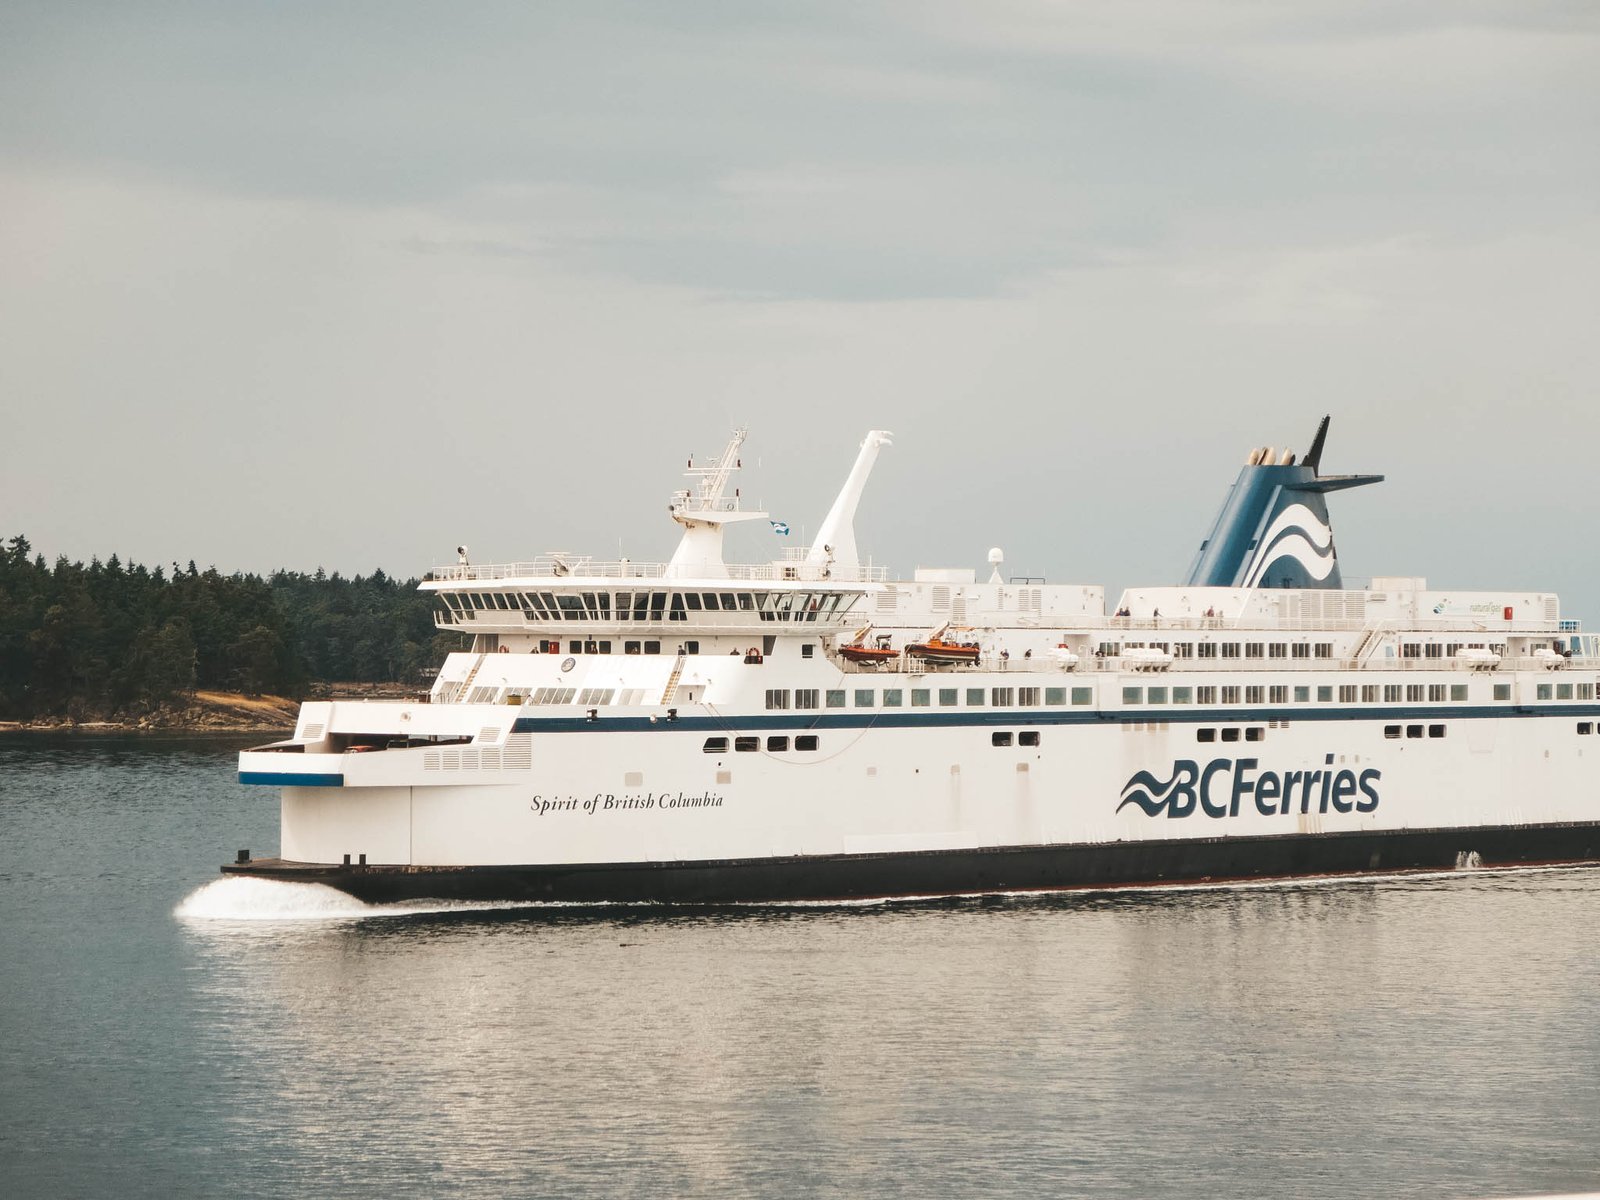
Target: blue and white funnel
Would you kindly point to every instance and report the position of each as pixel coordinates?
(1273, 529)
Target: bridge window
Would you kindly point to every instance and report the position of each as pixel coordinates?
(715, 745)
(806, 742)
(692, 602)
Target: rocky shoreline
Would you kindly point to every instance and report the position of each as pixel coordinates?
(217, 712)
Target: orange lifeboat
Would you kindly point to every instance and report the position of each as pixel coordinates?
(876, 654)
(939, 649)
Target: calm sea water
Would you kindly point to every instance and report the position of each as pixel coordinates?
(1423, 1038)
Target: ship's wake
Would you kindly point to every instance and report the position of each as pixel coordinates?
(234, 899)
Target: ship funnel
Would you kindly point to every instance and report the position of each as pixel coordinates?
(1273, 529)
(835, 544)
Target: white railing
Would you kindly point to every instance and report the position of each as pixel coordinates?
(577, 568)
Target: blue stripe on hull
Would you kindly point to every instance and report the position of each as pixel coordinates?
(290, 779)
(1006, 717)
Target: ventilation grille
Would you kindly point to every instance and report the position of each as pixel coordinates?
(888, 600)
(312, 732)
(941, 598)
(518, 754)
(489, 733)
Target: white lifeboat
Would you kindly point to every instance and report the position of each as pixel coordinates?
(1146, 658)
(1478, 659)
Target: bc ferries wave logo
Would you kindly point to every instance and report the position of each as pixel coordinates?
(1299, 534)
(1221, 786)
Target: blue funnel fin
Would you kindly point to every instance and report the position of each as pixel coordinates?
(1273, 530)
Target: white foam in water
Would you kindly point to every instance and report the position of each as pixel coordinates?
(268, 900)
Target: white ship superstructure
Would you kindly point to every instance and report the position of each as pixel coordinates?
(697, 730)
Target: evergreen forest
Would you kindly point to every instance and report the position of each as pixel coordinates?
(113, 639)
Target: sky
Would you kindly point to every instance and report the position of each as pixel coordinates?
(298, 285)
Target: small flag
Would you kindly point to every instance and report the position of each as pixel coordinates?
(779, 527)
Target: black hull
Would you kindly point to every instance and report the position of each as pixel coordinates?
(957, 872)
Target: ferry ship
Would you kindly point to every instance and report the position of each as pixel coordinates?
(808, 728)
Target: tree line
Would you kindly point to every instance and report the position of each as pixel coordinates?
(112, 639)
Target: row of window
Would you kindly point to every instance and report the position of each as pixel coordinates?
(1224, 649)
(1413, 731)
(804, 743)
(649, 606)
(1000, 697)
(1344, 693)
(1252, 733)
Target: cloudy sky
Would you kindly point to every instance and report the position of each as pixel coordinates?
(300, 284)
